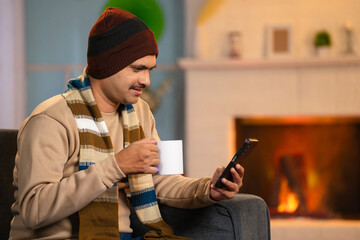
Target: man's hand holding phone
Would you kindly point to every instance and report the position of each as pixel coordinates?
(226, 182)
(231, 187)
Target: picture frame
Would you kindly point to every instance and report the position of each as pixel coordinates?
(279, 41)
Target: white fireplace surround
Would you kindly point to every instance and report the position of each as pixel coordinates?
(217, 92)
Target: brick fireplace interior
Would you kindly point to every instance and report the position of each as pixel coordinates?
(304, 166)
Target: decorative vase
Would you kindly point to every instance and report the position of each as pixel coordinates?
(234, 40)
(323, 51)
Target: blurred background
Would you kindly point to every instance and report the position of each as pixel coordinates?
(44, 44)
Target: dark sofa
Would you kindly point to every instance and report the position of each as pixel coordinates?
(244, 217)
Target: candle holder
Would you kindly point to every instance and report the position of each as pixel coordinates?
(234, 40)
(349, 41)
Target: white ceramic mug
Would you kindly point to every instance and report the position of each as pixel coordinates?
(171, 157)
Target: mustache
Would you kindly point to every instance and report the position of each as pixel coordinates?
(138, 86)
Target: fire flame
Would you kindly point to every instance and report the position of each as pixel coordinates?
(288, 201)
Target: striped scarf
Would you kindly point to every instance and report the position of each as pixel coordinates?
(99, 219)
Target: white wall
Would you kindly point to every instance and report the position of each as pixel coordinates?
(12, 70)
(251, 17)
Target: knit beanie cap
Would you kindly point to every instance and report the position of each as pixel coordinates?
(117, 39)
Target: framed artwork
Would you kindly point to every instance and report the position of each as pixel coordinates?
(279, 41)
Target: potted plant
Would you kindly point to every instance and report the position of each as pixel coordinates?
(322, 43)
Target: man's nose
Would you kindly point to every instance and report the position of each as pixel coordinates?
(145, 79)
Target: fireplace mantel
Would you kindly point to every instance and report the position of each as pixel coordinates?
(230, 64)
(218, 91)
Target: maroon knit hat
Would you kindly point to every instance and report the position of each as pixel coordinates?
(117, 39)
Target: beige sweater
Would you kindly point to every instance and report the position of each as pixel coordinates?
(50, 189)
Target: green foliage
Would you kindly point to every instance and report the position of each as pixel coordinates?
(322, 38)
(147, 10)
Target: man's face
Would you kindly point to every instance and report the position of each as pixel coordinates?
(126, 85)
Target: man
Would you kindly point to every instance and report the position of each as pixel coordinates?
(79, 151)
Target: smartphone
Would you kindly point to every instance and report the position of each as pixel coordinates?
(241, 154)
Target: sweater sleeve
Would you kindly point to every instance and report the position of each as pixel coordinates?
(50, 187)
(183, 192)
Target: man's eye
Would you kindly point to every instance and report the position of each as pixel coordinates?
(136, 69)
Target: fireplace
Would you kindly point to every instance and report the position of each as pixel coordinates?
(297, 97)
(220, 93)
(304, 166)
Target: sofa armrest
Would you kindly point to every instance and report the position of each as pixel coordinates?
(243, 217)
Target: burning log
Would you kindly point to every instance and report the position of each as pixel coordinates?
(289, 184)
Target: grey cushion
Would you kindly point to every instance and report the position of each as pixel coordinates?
(243, 217)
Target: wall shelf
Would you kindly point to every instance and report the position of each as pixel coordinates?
(229, 64)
